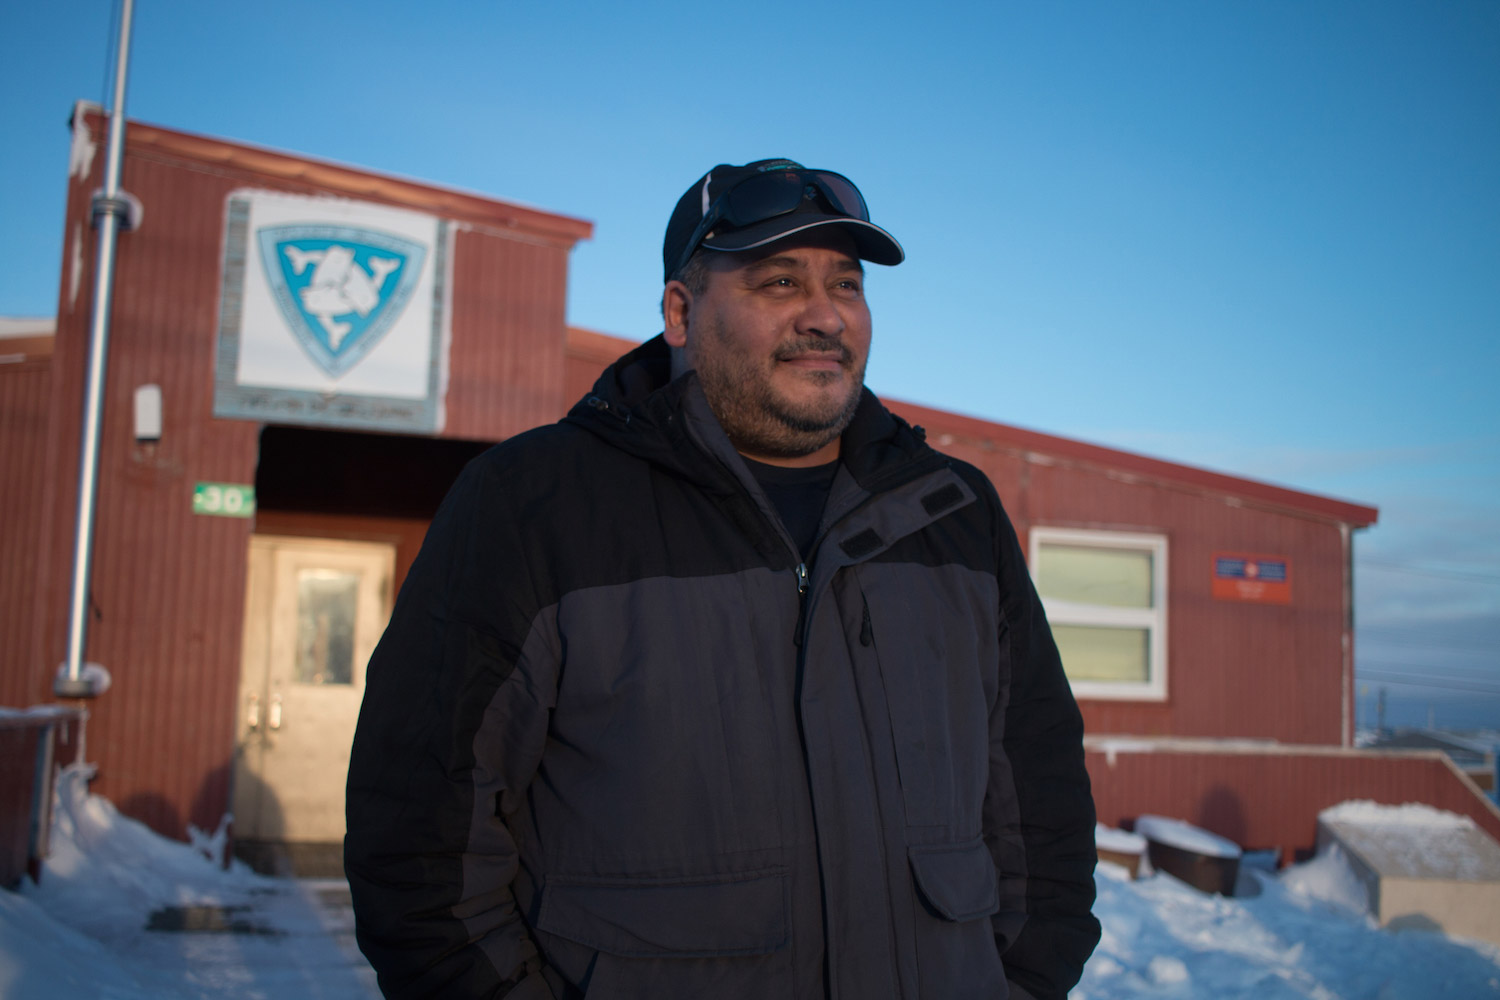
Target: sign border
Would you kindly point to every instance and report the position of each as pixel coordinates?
(269, 404)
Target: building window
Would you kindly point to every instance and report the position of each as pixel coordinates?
(1106, 597)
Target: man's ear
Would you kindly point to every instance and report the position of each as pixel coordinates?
(676, 301)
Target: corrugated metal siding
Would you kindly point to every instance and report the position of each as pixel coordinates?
(506, 365)
(1234, 669)
(588, 354)
(64, 420)
(1272, 799)
(168, 585)
(25, 394)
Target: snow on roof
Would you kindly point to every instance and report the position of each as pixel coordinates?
(1414, 841)
(1107, 838)
(1186, 837)
(16, 716)
(1367, 812)
(26, 326)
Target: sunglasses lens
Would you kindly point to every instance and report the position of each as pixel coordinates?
(769, 195)
(763, 197)
(842, 194)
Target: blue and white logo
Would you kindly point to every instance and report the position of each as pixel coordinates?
(340, 288)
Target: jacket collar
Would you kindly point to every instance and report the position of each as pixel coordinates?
(638, 407)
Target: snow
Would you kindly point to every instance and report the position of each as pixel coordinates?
(1176, 833)
(1107, 838)
(81, 152)
(1415, 841)
(1363, 811)
(82, 931)
(95, 675)
(36, 712)
(1329, 877)
(1162, 938)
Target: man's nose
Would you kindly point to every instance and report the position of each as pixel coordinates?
(820, 315)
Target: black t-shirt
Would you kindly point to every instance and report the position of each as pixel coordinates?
(799, 494)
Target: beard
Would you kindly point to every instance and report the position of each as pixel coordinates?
(761, 420)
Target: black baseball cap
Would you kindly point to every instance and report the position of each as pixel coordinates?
(741, 208)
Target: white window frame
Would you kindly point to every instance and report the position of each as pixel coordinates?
(1153, 619)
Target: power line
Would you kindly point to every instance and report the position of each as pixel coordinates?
(1442, 574)
(1416, 680)
(1372, 637)
(1482, 676)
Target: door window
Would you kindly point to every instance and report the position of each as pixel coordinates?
(327, 601)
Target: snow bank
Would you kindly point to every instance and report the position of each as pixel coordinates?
(106, 868)
(1162, 938)
(1329, 878)
(1186, 837)
(84, 931)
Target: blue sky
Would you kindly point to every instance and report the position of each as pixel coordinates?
(1259, 237)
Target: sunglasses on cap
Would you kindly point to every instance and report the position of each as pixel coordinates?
(766, 196)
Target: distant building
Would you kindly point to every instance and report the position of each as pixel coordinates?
(330, 345)
(1473, 754)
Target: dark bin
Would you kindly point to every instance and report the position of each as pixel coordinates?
(1201, 871)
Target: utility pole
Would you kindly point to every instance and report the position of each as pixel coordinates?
(111, 212)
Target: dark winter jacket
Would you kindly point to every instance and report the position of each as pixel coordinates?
(618, 742)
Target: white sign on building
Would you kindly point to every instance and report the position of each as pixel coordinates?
(332, 312)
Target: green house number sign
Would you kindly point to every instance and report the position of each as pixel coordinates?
(224, 499)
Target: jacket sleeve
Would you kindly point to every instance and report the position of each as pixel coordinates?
(450, 733)
(1042, 742)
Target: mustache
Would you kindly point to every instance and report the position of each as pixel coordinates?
(801, 346)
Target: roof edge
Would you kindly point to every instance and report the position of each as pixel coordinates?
(351, 181)
(1084, 453)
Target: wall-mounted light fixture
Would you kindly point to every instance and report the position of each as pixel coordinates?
(147, 414)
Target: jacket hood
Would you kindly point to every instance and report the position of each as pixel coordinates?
(638, 407)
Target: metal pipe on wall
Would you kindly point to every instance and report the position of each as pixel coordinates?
(110, 208)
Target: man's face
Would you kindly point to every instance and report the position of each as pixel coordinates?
(780, 339)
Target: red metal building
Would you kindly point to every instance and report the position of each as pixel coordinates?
(236, 642)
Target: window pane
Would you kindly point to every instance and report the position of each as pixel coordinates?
(326, 602)
(1116, 578)
(1090, 653)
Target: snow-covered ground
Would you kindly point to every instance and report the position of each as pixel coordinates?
(1305, 935)
(85, 931)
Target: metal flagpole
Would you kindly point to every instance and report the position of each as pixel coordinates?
(110, 209)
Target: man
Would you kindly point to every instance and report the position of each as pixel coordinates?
(727, 685)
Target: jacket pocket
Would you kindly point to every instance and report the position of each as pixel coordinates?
(740, 914)
(957, 956)
(957, 880)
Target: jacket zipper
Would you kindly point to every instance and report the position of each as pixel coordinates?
(801, 603)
